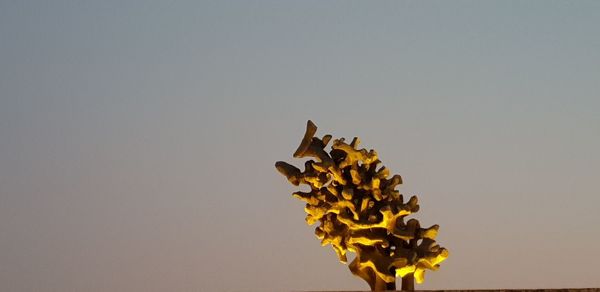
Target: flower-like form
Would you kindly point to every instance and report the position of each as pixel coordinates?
(359, 210)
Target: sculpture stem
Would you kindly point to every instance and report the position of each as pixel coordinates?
(408, 283)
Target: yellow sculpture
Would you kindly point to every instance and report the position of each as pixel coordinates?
(360, 211)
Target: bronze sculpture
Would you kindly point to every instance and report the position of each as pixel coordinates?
(360, 211)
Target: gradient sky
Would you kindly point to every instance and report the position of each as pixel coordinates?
(138, 138)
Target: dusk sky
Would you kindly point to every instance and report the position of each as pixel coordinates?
(138, 138)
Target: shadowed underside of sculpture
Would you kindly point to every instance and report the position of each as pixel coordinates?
(359, 210)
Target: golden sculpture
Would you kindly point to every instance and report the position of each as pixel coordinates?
(360, 211)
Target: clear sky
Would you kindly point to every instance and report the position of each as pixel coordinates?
(138, 138)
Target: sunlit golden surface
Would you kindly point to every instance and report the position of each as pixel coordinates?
(359, 210)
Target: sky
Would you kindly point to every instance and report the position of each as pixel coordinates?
(138, 138)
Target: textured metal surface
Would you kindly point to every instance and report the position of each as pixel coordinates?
(359, 210)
